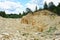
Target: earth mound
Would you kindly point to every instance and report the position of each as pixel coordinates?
(41, 25)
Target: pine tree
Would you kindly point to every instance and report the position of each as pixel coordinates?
(59, 5)
(28, 10)
(24, 13)
(45, 6)
(20, 15)
(51, 6)
(2, 13)
(36, 9)
(58, 9)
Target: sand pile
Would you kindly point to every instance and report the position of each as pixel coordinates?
(41, 25)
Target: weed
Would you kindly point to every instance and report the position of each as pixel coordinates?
(52, 29)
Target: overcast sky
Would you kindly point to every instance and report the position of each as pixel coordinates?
(17, 6)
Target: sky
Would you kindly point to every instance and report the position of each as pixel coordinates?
(18, 6)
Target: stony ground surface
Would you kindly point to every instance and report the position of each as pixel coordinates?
(42, 25)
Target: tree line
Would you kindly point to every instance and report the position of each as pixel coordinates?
(3, 14)
(51, 6)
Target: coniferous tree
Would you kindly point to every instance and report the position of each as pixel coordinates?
(45, 6)
(59, 5)
(20, 15)
(2, 13)
(51, 6)
(28, 10)
(23, 13)
(36, 9)
(58, 9)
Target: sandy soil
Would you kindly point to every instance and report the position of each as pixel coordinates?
(42, 25)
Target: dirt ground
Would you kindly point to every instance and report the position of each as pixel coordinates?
(42, 25)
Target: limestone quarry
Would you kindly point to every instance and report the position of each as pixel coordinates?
(41, 25)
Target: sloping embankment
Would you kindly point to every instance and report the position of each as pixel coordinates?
(42, 25)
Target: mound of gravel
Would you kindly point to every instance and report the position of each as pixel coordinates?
(41, 25)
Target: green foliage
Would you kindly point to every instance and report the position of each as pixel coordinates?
(25, 34)
(12, 16)
(28, 10)
(2, 13)
(51, 7)
(24, 13)
(58, 9)
(45, 6)
(59, 5)
(36, 9)
(20, 15)
(52, 29)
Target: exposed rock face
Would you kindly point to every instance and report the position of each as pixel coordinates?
(41, 25)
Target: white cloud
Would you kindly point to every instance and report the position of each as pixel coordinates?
(15, 7)
(11, 7)
(32, 4)
(54, 1)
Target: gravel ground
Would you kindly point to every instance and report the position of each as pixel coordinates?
(31, 27)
